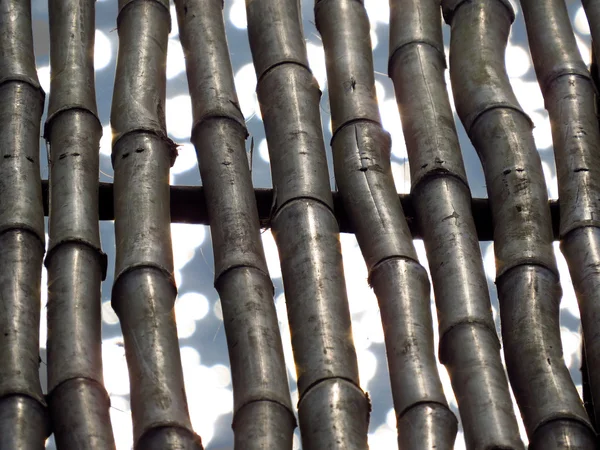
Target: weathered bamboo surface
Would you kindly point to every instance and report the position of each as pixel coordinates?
(23, 415)
(527, 277)
(333, 410)
(468, 343)
(263, 417)
(361, 153)
(78, 401)
(144, 289)
(306, 218)
(570, 100)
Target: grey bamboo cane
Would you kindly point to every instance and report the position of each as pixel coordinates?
(333, 410)
(263, 416)
(361, 154)
(23, 417)
(592, 11)
(144, 290)
(527, 277)
(78, 401)
(569, 93)
(469, 345)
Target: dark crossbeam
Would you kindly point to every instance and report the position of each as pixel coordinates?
(188, 205)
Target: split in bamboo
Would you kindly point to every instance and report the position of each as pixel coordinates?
(144, 290)
(333, 410)
(23, 416)
(361, 155)
(527, 276)
(263, 417)
(469, 345)
(569, 95)
(78, 401)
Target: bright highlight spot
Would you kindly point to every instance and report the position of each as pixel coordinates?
(245, 85)
(175, 59)
(367, 367)
(316, 61)
(186, 239)
(192, 305)
(106, 141)
(569, 300)
(44, 77)
(109, 316)
(186, 159)
(271, 254)
(116, 374)
(401, 174)
(518, 61)
(551, 180)
(102, 51)
(390, 119)
(571, 344)
(542, 133)
(529, 95)
(286, 339)
(179, 116)
(378, 11)
(581, 23)
(174, 24)
(237, 15)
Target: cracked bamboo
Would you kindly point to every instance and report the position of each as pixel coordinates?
(78, 401)
(569, 92)
(361, 155)
(263, 417)
(527, 276)
(333, 410)
(23, 415)
(144, 289)
(469, 346)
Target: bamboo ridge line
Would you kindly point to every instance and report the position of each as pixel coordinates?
(188, 205)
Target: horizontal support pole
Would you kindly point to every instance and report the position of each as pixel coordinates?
(188, 205)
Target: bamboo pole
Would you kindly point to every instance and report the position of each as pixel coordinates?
(263, 417)
(527, 277)
(23, 417)
(361, 154)
(144, 290)
(469, 345)
(570, 100)
(78, 401)
(592, 11)
(333, 410)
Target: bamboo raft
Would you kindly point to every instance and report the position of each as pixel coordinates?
(306, 218)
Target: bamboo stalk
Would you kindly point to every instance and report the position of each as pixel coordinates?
(570, 100)
(361, 153)
(527, 276)
(592, 11)
(23, 416)
(263, 417)
(78, 401)
(469, 345)
(144, 290)
(333, 410)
